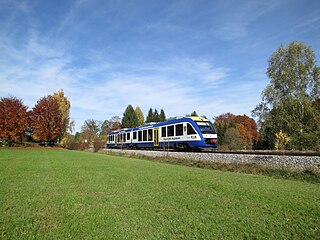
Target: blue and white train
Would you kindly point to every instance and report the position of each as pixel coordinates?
(179, 133)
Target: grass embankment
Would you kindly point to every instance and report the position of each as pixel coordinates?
(307, 175)
(78, 195)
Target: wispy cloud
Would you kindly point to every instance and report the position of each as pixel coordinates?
(180, 56)
(237, 19)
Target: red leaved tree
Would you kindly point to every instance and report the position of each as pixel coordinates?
(14, 119)
(245, 126)
(47, 121)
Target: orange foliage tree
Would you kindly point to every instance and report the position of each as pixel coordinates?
(245, 126)
(14, 119)
(47, 121)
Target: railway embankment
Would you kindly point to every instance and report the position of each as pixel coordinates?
(275, 161)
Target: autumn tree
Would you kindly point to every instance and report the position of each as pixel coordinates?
(139, 115)
(129, 119)
(46, 120)
(14, 119)
(90, 130)
(64, 107)
(245, 127)
(288, 102)
(111, 125)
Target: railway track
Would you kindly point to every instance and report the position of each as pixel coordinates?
(242, 152)
(269, 153)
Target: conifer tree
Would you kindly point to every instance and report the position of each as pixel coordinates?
(194, 114)
(162, 117)
(156, 117)
(150, 116)
(129, 119)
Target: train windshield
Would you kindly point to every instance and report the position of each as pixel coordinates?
(206, 127)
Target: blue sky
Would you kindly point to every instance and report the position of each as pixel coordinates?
(209, 56)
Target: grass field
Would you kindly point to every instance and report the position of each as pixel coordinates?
(57, 194)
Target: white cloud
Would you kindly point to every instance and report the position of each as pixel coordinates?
(104, 88)
(237, 18)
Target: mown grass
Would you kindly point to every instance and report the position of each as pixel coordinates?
(307, 175)
(77, 195)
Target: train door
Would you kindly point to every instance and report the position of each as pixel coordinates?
(115, 140)
(156, 137)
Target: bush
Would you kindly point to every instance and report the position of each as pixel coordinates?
(97, 144)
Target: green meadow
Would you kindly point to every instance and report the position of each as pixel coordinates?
(60, 194)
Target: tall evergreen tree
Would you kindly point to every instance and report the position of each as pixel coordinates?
(149, 116)
(129, 119)
(156, 117)
(162, 117)
(194, 114)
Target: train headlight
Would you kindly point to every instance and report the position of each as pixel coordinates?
(214, 140)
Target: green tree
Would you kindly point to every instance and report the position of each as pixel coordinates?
(288, 101)
(129, 119)
(139, 115)
(149, 116)
(162, 117)
(232, 139)
(194, 114)
(156, 116)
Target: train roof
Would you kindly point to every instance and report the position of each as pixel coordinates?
(169, 121)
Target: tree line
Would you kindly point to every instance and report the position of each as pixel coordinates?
(47, 122)
(288, 114)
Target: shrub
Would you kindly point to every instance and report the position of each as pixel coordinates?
(97, 144)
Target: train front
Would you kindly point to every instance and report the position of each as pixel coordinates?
(209, 134)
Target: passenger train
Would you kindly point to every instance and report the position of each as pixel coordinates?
(179, 133)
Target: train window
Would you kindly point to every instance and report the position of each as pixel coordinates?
(206, 127)
(179, 129)
(163, 132)
(145, 133)
(128, 136)
(150, 134)
(190, 130)
(124, 137)
(134, 135)
(170, 131)
(140, 136)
